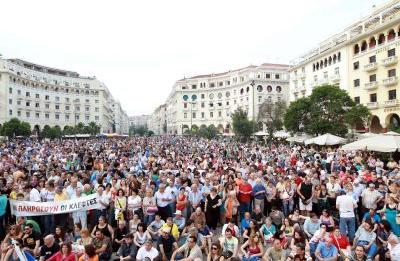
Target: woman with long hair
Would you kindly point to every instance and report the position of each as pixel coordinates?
(287, 228)
(149, 207)
(61, 236)
(85, 238)
(231, 207)
(120, 205)
(141, 236)
(251, 230)
(216, 252)
(252, 249)
(65, 254)
(90, 254)
(327, 219)
(103, 225)
(14, 233)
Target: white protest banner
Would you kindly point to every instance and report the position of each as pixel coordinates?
(28, 208)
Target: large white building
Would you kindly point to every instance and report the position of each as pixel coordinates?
(43, 96)
(212, 98)
(139, 120)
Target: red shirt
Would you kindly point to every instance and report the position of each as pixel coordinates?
(245, 197)
(340, 242)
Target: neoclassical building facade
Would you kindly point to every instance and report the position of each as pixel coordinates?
(363, 60)
(212, 98)
(43, 96)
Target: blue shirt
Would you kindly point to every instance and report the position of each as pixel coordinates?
(376, 217)
(325, 251)
(258, 188)
(3, 205)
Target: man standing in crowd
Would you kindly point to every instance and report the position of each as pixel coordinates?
(346, 205)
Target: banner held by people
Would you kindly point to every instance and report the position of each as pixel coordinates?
(28, 208)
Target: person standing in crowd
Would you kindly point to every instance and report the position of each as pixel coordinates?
(306, 192)
(346, 205)
(163, 199)
(212, 207)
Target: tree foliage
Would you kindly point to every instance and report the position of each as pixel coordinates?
(14, 127)
(140, 130)
(203, 131)
(327, 109)
(242, 126)
(271, 115)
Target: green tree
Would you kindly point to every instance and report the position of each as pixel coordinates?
(14, 127)
(242, 126)
(132, 130)
(150, 133)
(68, 130)
(327, 109)
(212, 132)
(46, 132)
(93, 128)
(79, 128)
(55, 132)
(271, 114)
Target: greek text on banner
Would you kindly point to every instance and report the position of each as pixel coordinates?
(28, 208)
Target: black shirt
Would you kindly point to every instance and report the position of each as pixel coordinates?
(306, 190)
(47, 252)
(30, 241)
(167, 243)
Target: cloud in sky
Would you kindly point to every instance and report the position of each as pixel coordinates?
(140, 48)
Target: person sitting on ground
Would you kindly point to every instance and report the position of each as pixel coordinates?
(172, 227)
(31, 240)
(326, 251)
(102, 245)
(90, 254)
(179, 220)
(229, 243)
(65, 253)
(189, 251)
(127, 250)
(155, 226)
(357, 255)
(275, 252)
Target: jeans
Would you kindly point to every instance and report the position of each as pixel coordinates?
(244, 207)
(372, 250)
(148, 219)
(347, 226)
(80, 217)
(287, 207)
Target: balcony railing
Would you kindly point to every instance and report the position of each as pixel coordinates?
(390, 81)
(370, 67)
(371, 85)
(372, 105)
(391, 103)
(389, 61)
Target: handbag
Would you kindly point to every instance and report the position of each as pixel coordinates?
(152, 210)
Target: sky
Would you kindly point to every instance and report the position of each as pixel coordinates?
(140, 48)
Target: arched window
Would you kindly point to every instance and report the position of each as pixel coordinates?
(330, 60)
(219, 95)
(313, 67)
(241, 91)
(381, 39)
(398, 32)
(269, 88)
(372, 42)
(278, 89)
(363, 46)
(325, 62)
(227, 94)
(391, 35)
(339, 56)
(247, 89)
(334, 56)
(259, 88)
(321, 64)
(317, 66)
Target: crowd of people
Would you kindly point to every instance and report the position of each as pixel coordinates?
(186, 198)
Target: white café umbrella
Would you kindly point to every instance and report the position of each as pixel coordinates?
(299, 138)
(387, 142)
(281, 134)
(260, 133)
(325, 140)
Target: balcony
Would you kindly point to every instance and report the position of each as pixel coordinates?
(390, 81)
(302, 75)
(370, 67)
(391, 103)
(372, 105)
(335, 78)
(389, 61)
(371, 85)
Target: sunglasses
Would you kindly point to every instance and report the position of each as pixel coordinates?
(214, 248)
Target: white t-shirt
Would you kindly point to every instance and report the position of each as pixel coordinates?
(346, 205)
(394, 252)
(143, 253)
(34, 195)
(160, 196)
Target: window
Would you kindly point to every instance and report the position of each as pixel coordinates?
(57, 106)
(47, 116)
(372, 78)
(57, 98)
(77, 117)
(212, 84)
(203, 96)
(66, 99)
(96, 101)
(194, 115)
(28, 104)
(86, 118)
(10, 101)
(19, 113)
(47, 106)
(96, 109)
(392, 52)
(10, 90)
(372, 97)
(10, 112)
(28, 114)
(259, 88)
(267, 75)
(185, 115)
(87, 108)
(277, 76)
(37, 105)
(57, 116)
(96, 118)
(46, 97)
(67, 117)
(325, 75)
(220, 104)
(77, 108)
(67, 107)
(392, 94)
(357, 99)
(18, 102)
(228, 82)
(37, 115)
(202, 115)
(220, 114)
(220, 84)
(28, 94)
(227, 103)
(356, 65)
(211, 114)
(337, 71)
(194, 86)
(392, 73)
(219, 95)
(19, 92)
(211, 104)
(185, 105)
(372, 59)
(202, 105)
(356, 82)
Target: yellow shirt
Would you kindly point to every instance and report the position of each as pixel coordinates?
(60, 197)
(175, 230)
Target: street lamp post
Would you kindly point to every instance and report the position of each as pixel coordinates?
(252, 83)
